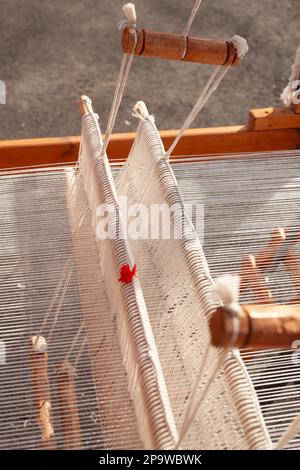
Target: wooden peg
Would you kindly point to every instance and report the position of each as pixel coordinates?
(265, 257)
(69, 417)
(258, 326)
(41, 391)
(178, 47)
(252, 278)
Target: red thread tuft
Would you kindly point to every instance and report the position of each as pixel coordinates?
(127, 274)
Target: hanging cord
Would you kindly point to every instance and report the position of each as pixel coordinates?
(80, 351)
(193, 411)
(192, 17)
(290, 91)
(58, 295)
(71, 348)
(215, 79)
(189, 25)
(227, 289)
(129, 11)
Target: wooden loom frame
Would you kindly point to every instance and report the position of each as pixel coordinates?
(268, 129)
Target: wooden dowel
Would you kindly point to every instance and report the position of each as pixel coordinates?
(266, 256)
(260, 326)
(69, 417)
(176, 47)
(41, 391)
(252, 278)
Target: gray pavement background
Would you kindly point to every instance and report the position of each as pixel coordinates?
(53, 51)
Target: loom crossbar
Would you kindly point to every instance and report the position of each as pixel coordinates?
(178, 47)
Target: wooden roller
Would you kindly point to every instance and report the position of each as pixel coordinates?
(177, 47)
(258, 326)
(41, 390)
(69, 417)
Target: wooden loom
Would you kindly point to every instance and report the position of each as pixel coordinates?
(268, 129)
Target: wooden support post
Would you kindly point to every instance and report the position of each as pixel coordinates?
(177, 47)
(41, 391)
(252, 278)
(258, 326)
(69, 417)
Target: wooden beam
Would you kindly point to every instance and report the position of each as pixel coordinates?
(195, 142)
(38, 152)
(176, 47)
(273, 118)
(260, 326)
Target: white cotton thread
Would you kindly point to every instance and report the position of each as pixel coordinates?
(215, 79)
(192, 411)
(227, 288)
(130, 13)
(140, 112)
(216, 76)
(240, 44)
(289, 92)
(192, 17)
(188, 27)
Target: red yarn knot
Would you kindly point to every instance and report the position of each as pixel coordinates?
(127, 274)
